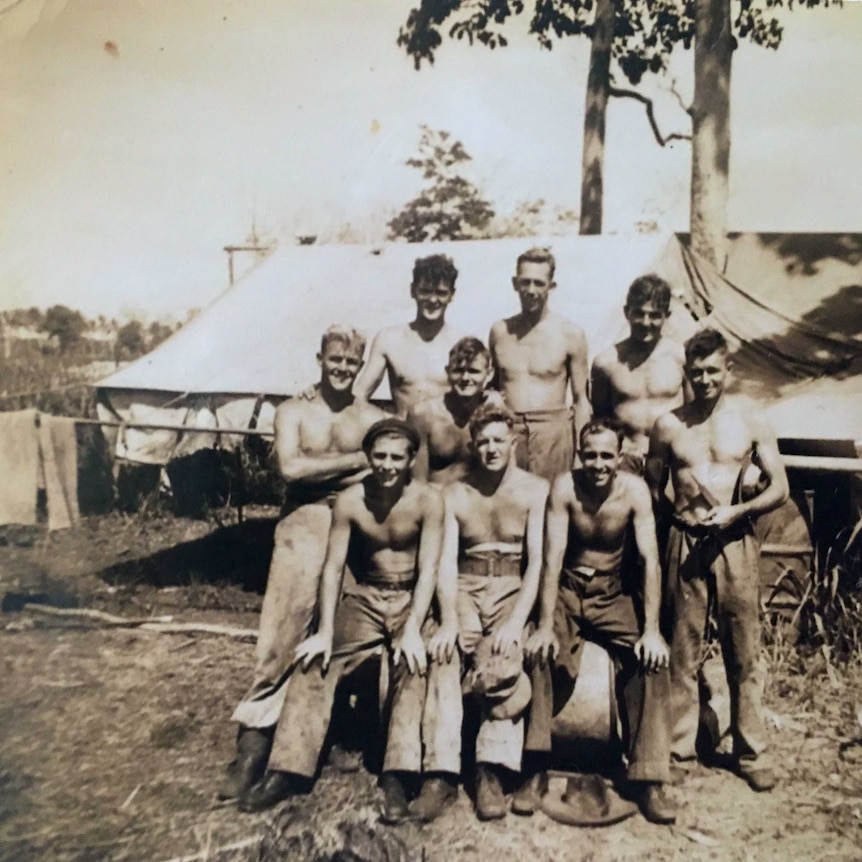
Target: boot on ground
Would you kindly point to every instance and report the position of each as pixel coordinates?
(395, 808)
(490, 799)
(656, 804)
(275, 787)
(437, 794)
(527, 799)
(249, 765)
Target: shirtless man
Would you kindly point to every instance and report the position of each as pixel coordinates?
(641, 377)
(318, 447)
(712, 554)
(390, 528)
(414, 355)
(443, 423)
(487, 584)
(589, 513)
(538, 354)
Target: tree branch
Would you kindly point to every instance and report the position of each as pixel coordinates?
(679, 98)
(650, 112)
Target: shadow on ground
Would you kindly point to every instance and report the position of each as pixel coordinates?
(238, 554)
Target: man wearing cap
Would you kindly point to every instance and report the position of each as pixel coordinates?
(641, 377)
(318, 447)
(538, 355)
(582, 596)
(390, 528)
(443, 422)
(487, 584)
(414, 354)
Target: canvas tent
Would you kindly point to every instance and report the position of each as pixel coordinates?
(791, 305)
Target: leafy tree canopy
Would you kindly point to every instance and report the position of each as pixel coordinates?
(65, 324)
(450, 207)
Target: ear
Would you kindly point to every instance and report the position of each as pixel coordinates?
(319, 358)
(515, 283)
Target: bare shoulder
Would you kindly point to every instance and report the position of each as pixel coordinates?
(293, 411)
(574, 334)
(607, 359)
(563, 487)
(499, 328)
(634, 488)
(667, 424)
(672, 348)
(368, 413)
(428, 496)
(348, 501)
(531, 485)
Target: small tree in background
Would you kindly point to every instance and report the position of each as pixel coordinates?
(450, 206)
(130, 341)
(65, 324)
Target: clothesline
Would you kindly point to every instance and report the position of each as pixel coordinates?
(163, 426)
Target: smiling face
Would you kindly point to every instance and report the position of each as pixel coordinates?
(492, 444)
(468, 377)
(600, 457)
(339, 364)
(391, 456)
(432, 297)
(708, 375)
(533, 282)
(646, 320)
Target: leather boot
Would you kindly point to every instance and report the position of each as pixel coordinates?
(275, 787)
(437, 794)
(247, 768)
(395, 807)
(527, 799)
(490, 799)
(655, 803)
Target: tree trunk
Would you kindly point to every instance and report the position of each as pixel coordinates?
(713, 53)
(598, 84)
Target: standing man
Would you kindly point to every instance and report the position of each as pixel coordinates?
(319, 452)
(712, 556)
(641, 377)
(414, 355)
(443, 422)
(487, 584)
(390, 528)
(582, 597)
(538, 355)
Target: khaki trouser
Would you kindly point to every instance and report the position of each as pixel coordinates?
(367, 620)
(597, 609)
(545, 441)
(288, 609)
(720, 569)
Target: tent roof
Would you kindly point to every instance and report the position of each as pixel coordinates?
(262, 335)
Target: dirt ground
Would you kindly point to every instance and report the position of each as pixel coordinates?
(112, 741)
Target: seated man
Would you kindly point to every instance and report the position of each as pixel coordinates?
(390, 528)
(488, 580)
(443, 422)
(318, 447)
(588, 515)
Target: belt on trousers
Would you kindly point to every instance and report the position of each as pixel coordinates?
(493, 567)
(395, 582)
(584, 574)
(556, 415)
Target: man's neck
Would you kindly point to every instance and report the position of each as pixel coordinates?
(426, 329)
(488, 482)
(529, 319)
(335, 400)
(462, 408)
(380, 500)
(636, 352)
(701, 409)
(596, 495)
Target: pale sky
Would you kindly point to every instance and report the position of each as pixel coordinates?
(126, 171)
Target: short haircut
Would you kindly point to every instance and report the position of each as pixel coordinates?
(704, 343)
(351, 338)
(600, 426)
(487, 413)
(465, 350)
(434, 269)
(538, 255)
(649, 288)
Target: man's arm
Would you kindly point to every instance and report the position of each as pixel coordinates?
(658, 461)
(330, 586)
(577, 369)
(510, 632)
(495, 382)
(416, 418)
(601, 391)
(375, 367)
(771, 465)
(650, 648)
(294, 465)
(409, 642)
(543, 644)
(442, 645)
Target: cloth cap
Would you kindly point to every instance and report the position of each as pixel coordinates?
(390, 425)
(500, 680)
